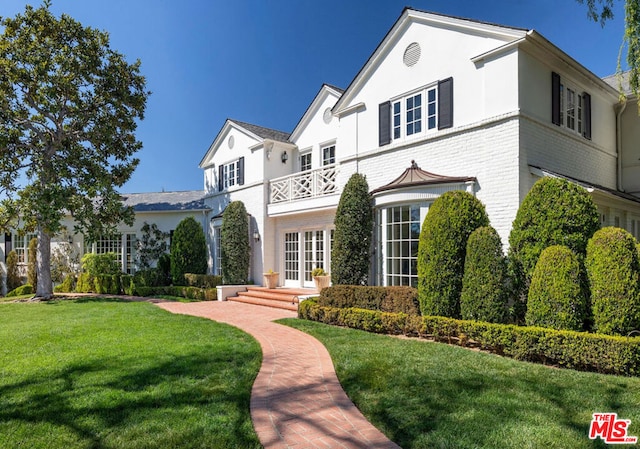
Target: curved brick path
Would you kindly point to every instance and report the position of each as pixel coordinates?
(296, 400)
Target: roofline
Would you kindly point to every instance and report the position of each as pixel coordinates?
(452, 180)
(336, 91)
(406, 12)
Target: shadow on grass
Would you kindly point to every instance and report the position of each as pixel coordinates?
(98, 402)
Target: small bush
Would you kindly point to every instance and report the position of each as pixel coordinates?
(484, 295)
(32, 259)
(13, 275)
(107, 284)
(127, 284)
(350, 253)
(388, 299)
(613, 269)
(188, 250)
(85, 283)
(164, 268)
(25, 289)
(67, 286)
(441, 252)
(96, 264)
(202, 280)
(152, 277)
(558, 294)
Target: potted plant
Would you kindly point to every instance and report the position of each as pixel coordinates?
(321, 278)
(271, 279)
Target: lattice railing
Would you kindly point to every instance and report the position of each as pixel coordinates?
(307, 184)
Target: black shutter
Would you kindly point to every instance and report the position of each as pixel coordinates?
(241, 171)
(445, 103)
(384, 123)
(555, 98)
(220, 180)
(586, 107)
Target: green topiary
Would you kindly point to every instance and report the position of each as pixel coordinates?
(13, 275)
(441, 252)
(235, 244)
(350, 254)
(67, 286)
(558, 293)
(25, 289)
(614, 270)
(188, 250)
(32, 258)
(484, 295)
(554, 212)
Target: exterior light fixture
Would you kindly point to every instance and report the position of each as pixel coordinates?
(284, 157)
(256, 235)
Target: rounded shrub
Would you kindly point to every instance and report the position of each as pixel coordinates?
(235, 244)
(350, 254)
(554, 212)
(188, 250)
(484, 296)
(442, 248)
(613, 270)
(558, 294)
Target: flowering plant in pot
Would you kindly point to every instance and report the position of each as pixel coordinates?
(271, 279)
(321, 278)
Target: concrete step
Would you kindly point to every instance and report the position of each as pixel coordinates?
(280, 298)
(258, 301)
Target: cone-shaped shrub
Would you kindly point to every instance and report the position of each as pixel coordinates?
(188, 250)
(484, 295)
(613, 271)
(32, 272)
(235, 244)
(13, 275)
(558, 294)
(351, 251)
(441, 252)
(554, 212)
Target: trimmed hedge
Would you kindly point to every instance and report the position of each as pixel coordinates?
(576, 350)
(558, 293)
(234, 244)
(188, 250)
(32, 270)
(441, 252)
(484, 294)
(202, 280)
(387, 299)
(613, 268)
(199, 294)
(107, 284)
(67, 286)
(13, 275)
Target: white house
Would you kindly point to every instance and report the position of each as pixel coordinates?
(442, 103)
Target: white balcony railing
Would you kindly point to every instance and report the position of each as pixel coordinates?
(306, 184)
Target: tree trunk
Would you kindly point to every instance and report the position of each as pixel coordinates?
(44, 289)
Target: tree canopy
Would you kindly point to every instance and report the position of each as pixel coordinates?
(69, 106)
(601, 11)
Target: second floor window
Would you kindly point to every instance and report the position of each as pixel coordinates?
(305, 161)
(329, 155)
(231, 174)
(570, 108)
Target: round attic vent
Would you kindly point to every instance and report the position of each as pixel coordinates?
(327, 116)
(231, 141)
(411, 54)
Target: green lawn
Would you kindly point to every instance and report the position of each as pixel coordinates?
(113, 374)
(430, 395)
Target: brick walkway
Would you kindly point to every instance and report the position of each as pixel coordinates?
(296, 400)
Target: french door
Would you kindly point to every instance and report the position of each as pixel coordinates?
(304, 251)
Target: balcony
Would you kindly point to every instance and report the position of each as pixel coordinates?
(286, 193)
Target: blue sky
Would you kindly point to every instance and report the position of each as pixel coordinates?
(263, 61)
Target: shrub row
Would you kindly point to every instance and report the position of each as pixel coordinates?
(387, 299)
(575, 350)
(202, 280)
(196, 293)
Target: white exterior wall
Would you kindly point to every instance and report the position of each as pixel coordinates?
(631, 149)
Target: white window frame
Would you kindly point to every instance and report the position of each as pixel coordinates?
(571, 108)
(410, 121)
(231, 174)
(20, 245)
(331, 149)
(306, 160)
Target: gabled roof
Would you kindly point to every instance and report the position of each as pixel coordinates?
(325, 89)
(262, 132)
(411, 15)
(618, 81)
(414, 176)
(191, 200)
(259, 133)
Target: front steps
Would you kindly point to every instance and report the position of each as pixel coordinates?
(279, 298)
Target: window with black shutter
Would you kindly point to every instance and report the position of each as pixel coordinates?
(445, 103)
(570, 108)
(384, 123)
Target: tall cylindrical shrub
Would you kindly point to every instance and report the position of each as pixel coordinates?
(13, 275)
(188, 250)
(351, 251)
(441, 252)
(32, 272)
(558, 294)
(614, 271)
(484, 295)
(235, 244)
